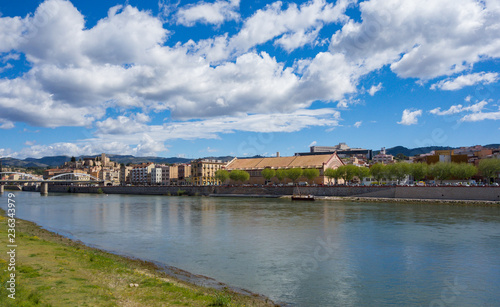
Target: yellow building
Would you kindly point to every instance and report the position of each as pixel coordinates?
(203, 171)
(254, 166)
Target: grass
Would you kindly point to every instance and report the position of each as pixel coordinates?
(52, 270)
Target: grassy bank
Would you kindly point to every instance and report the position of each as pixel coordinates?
(52, 270)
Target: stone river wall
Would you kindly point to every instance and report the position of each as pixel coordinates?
(441, 193)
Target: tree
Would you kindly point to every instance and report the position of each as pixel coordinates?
(347, 172)
(239, 175)
(419, 171)
(441, 171)
(489, 168)
(311, 173)
(378, 171)
(268, 173)
(281, 174)
(221, 175)
(73, 159)
(400, 170)
(390, 171)
(363, 172)
(401, 157)
(294, 173)
(330, 173)
(463, 170)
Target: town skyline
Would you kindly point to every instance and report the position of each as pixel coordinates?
(158, 78)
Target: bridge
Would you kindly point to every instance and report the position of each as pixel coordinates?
(44, 183)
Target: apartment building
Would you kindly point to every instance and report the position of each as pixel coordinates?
(141, 174)
(203, 171)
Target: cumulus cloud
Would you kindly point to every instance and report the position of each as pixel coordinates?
(210, 13)
(480, 116)
(465, 80)
(410, 117)
(374, 89)
(460, 108)
(213, 127)
(421, 39)
(6, 124)
(358, 124)
(114, 136)
(295, 26)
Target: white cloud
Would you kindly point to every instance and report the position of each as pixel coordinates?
(410, 117)
(459, 109)
(211, 128)
(299, 25)
(465, 80)
(358, 124)
(6, 124)
(421, 38)
(374, 89)
(113, 136)
(480, 116)
(313, 143)
(210, 13)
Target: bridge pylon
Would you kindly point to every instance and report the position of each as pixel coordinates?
(44, 189)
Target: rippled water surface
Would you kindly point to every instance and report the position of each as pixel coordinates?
(302, 253)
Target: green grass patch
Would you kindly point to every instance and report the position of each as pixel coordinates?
(55, 271)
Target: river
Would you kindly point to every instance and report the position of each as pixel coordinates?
(301, 253)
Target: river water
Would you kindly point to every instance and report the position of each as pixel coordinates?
(301, 253)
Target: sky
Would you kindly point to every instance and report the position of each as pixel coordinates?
(228, 77)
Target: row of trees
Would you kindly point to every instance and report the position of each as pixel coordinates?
(488, 168)
(268, 174)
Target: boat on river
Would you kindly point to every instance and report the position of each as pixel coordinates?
(299, 196)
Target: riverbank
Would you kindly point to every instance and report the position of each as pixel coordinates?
(412, 201)
(52, 270)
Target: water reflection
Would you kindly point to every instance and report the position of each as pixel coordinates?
(308, 254)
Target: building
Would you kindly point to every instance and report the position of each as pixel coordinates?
(141, 174)
(342, 150)
(110, 176)
(170, 175)
(125, 176)
(164, 175)
(383, 157)
(254, 166)
(156, 175)
(203, 171)
(184, 174)
(442, 156)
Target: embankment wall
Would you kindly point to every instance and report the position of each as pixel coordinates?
(441, 193)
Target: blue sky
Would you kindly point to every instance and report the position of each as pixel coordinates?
(229, 77)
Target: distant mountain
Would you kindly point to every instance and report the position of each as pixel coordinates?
(492, 146)
(137, 160)
(56, 161)
(413, 151)
(422, 150)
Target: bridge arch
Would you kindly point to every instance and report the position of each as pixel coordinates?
(76, 175)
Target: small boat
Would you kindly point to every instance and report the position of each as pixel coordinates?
(299, 196)
(303, 197)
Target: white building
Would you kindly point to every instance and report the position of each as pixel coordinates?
(383, 157)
